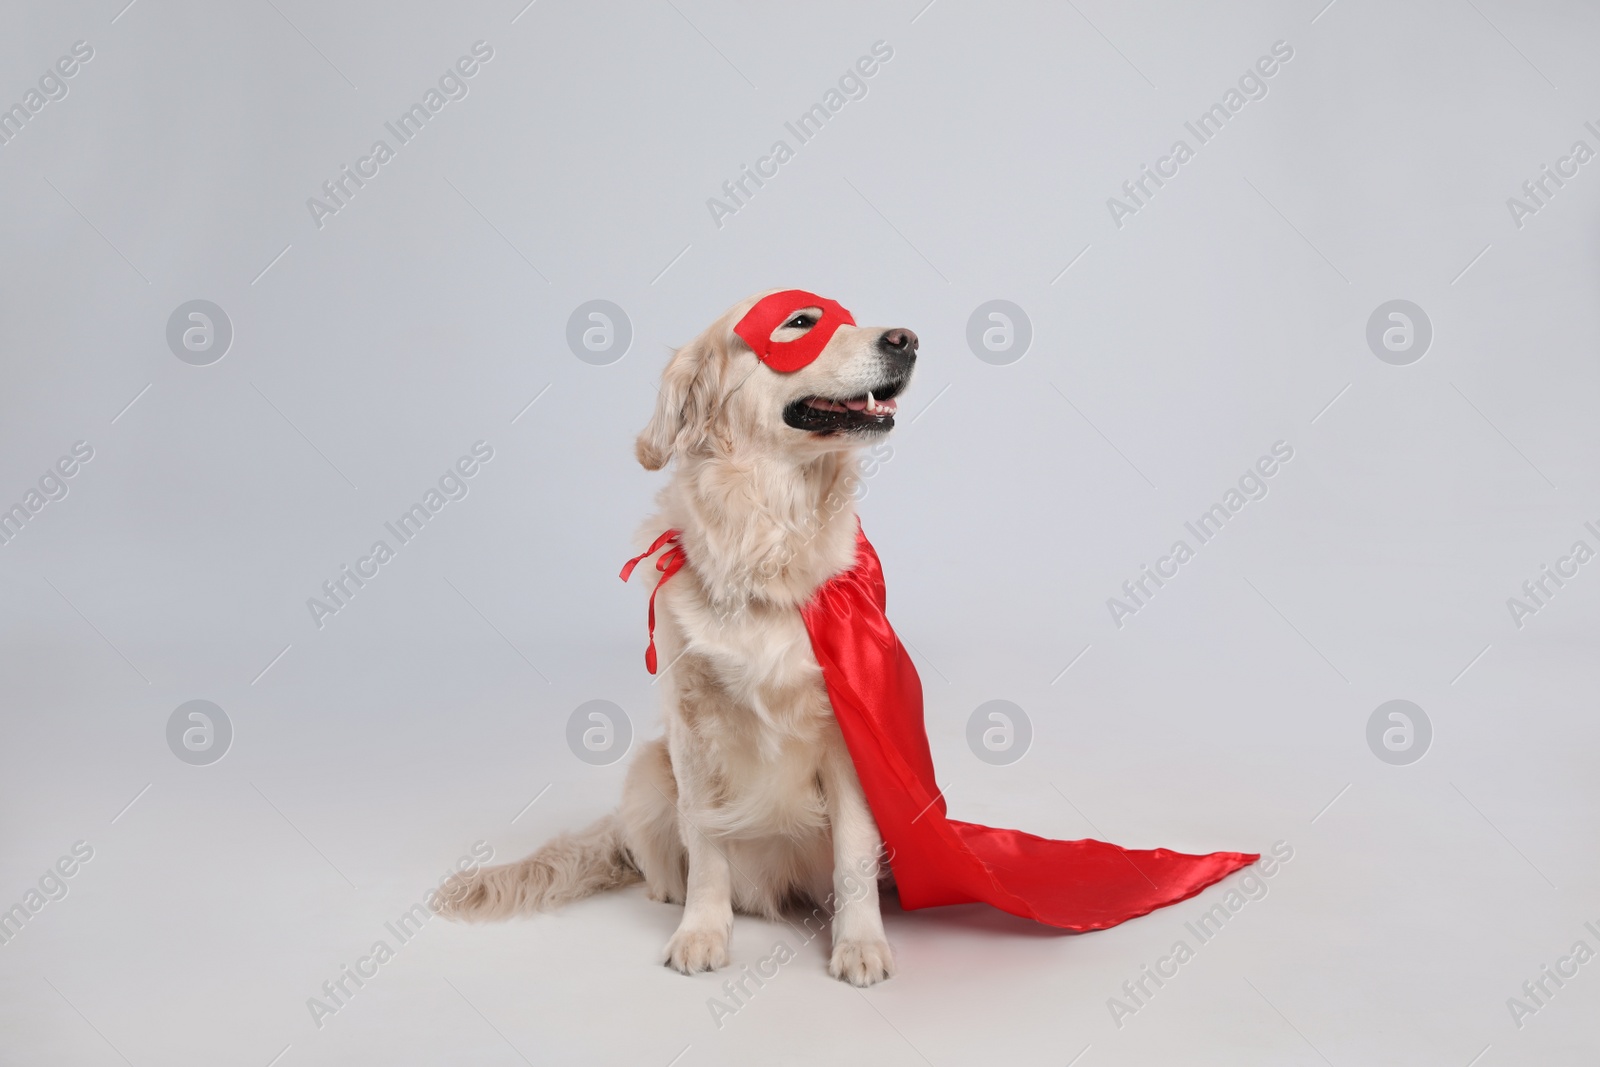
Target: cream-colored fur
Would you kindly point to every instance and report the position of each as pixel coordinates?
(750, 802)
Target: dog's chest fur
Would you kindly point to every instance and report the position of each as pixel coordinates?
(747, 704)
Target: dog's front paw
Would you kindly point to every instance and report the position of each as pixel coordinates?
(694, 950)
(862, 962)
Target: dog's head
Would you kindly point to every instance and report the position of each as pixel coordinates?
(758, 378)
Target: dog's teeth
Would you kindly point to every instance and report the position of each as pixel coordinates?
(872, 405)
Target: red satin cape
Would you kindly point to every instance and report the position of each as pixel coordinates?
(877, 700)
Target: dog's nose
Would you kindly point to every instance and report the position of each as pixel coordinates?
(899, 342)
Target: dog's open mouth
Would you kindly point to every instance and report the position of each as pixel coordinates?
(870, 412)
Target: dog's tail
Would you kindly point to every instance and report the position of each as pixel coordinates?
(568, 868)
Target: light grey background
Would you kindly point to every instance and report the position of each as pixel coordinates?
(1168, 354)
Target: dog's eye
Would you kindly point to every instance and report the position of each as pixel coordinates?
(800, 322)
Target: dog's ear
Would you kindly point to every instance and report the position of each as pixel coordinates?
(690, 391)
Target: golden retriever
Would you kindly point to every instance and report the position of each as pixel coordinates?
(750, 802)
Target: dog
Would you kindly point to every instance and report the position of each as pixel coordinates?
(750, 802)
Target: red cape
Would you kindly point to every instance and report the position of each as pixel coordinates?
(877, 700)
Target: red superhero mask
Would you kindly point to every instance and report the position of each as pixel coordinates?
(770, 312)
